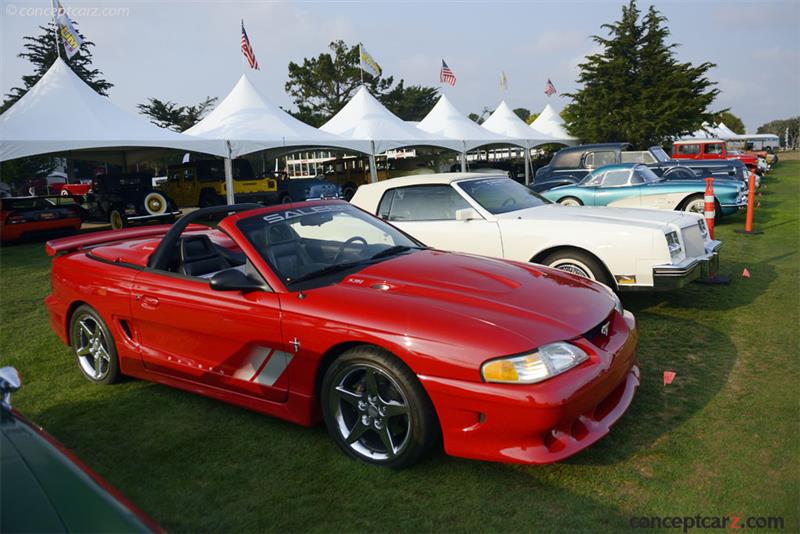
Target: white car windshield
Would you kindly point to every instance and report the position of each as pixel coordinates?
(501, 195)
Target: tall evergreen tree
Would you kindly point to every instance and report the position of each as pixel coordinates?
(40, 50)
(168, 114)
(321, 86)
(635, 89)
(410, 103)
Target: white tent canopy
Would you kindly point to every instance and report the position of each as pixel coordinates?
(251, 122)
(445, 121)
(61, 113)
(724, 132)
(505, 122)
(549, 123)
(363, 118)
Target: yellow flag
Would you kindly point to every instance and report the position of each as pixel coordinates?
(368, 64)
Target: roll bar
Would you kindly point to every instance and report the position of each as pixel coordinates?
(161, 256)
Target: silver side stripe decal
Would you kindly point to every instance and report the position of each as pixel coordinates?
(275, 367)
(264, 366)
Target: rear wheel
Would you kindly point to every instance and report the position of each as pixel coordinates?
(376, 410)
(348, 191)
(570, 201)
(579, 263)
(117, 220)
(286, 199)
(94, 348)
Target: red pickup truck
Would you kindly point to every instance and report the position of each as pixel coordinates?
(711, 149)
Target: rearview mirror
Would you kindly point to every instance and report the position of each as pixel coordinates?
(234, 280)
(9, 383)
(467, 214)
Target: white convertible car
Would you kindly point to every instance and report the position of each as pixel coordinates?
(496, 216)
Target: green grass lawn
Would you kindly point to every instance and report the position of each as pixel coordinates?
(721, 440)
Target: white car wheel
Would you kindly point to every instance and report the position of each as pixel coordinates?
(569, 201)
(155, 204)
(697, 205)
(574, 266)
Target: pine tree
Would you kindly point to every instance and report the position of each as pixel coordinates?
(635, 90)
(40, 50)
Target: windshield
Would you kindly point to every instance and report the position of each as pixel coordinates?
(315, 242)
(646, 174)
(660, 154)
(501, 195)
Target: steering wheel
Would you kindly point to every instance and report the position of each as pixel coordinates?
(347, 243)
(510, 201)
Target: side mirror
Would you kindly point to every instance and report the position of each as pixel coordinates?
(9, 383)
(234, 280)
(467, 214)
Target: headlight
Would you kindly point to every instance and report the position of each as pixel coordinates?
(546, 362)
(674, 244)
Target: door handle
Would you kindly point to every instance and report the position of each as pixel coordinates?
(149, 303)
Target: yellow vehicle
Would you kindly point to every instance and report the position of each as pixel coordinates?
(202, 183)
(350, 173)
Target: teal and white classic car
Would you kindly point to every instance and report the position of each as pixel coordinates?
(633, 185)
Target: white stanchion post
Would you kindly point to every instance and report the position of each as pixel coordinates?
(373, 168)
(527, 166)
(230, 198)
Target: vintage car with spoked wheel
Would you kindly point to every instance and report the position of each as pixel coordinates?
(319, 311)
(128, 199)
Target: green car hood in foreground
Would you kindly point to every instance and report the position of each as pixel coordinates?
(46, 489)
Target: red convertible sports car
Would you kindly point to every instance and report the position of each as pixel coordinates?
(320, 311)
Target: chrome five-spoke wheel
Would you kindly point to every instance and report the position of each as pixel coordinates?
(371, 413)
(93, 346)
(375, 408)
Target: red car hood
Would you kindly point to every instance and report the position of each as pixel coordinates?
(474, 301)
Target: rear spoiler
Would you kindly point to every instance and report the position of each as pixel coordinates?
(77, 242)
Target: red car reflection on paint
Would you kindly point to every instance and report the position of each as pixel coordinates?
(321, 312)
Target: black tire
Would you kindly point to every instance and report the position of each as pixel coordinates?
(117, 220)
(209, 198)
(84, 324)
(570, 201)
(348, 191)
(578, 262)
(416, 429)
(286, 199)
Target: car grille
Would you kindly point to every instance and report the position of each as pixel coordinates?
(693, 242)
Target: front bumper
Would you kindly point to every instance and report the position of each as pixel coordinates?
(545, 422)
(674, 276)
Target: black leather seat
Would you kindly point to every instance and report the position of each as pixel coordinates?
(199, 256)
(286, 253)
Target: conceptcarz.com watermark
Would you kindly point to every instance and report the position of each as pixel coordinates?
(73, 12)
(727, 522)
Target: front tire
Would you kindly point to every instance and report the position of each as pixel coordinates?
(376, 410)
(94, 347)
(578, 263)
(697, 204)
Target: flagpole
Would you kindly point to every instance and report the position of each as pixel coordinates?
(55, 29)
(360, 67)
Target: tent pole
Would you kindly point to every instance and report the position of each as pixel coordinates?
(230, 197)
(373, 169)
(527, 165)
(464, 157)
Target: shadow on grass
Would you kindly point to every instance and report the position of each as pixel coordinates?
(673, 344)
(195, 464)
(710, 297)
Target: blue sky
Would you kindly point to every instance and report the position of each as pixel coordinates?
(185, 50)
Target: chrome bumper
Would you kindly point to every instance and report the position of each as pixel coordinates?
(666, 277)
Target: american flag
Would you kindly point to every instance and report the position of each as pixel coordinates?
(446, 75)
(549, 89)
(247, 50)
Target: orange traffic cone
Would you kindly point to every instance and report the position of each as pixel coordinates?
(745, 273)
(669, 376)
